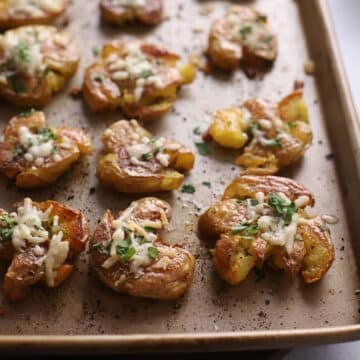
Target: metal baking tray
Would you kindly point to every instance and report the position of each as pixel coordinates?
(84, 315)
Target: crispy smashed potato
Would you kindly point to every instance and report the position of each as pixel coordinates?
(35, 62)
(129, 256)
(244, 37)
(35, 155)
(15, 13)
(41, 242)
(148, 12)
(136, 162)
(273, 137)
(261, 220)
(140, 78)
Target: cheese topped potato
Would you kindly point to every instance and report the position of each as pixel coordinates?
(139, 78)
(35, 62)
(137, 162)
(35, 155)
(15, 13)
(129, 256)
(148, 12)
(271, 136)
(261, 220)
(243, 36)
(41, 242)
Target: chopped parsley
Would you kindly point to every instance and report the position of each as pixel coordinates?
(46, 70)
(253, 128)
(45, 135)
(267, 39)
(203, 148)
(27, 113)
(124, 250)
(7, 232)
(273, 142)
(245, 31)
(292, 124)
(95, 51)
(145, 74)
(146, 156)
(245, 229)
(254, 202)
(206, 183)
(153, 252)
(149, 229)
(187, 188)
(196, 130)
(22, 52)
(98, 78)
(282, 207)
(17, 151)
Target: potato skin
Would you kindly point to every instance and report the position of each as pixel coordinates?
(27, 175)
(287, 122)
(61, 60)
(25, 269)
(150, 14)
(8, 21)
(154, 281)
(234, 256)
(116, 170)
(229, 47)
(103, 93)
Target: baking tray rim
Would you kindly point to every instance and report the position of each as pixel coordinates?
(219, 340)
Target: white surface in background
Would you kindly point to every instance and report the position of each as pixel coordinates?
(346, 17)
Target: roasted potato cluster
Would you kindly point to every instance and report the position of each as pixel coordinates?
(14, 13)
(148, 12)
(129, 256)
(140, 78)
(136, 162)
(262, 220)
(35, 155)
(35, 62)
(41, 242)
(273, 136)
(244, 37)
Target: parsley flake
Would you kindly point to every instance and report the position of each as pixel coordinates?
(153, 252)
(203, 148)
(187, 188)
(282, 207)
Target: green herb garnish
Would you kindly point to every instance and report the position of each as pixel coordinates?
(206, 183)
(203, 148)
(273, 142)
(45, 135)
(187, 188)
(292, 124)
(254, 202)
(17, 151)
(282, 207)
(27, 113)
(95, 51)
(245, 31)
(146, 156)
(267, 39)
(98, 78)
(245, 229)
(145, 74)
(196, 130)
(7, 232)
(152, 252)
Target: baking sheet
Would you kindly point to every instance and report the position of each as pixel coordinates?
(83, 306)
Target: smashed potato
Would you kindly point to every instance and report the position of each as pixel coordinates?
(41, 240)
(136, 162)
(129, 256)
(272, 136)
(262, 220)
(140, 78)
(35, 155)
(35, 62)
(244, 37)
(15, 13)
(148, 12)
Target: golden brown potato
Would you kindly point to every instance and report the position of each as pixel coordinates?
(140, 78)
(272, 136)
(244, 37)
(261, 220)
(136, 162)
(42, 241)
(15, 13)
(148, 12)
(129, 256)
(36, 62)
(35, 155)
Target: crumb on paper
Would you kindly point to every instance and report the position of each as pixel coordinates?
(197, 29)
(357, 292)
(75, 91)
(206, 9)
(309, 67)
(298, 84)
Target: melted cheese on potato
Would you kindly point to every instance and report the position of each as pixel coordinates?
(34, 7)
(273, 228)
(128, 3)
(136, 67)
(23, 50)
(28, 225)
